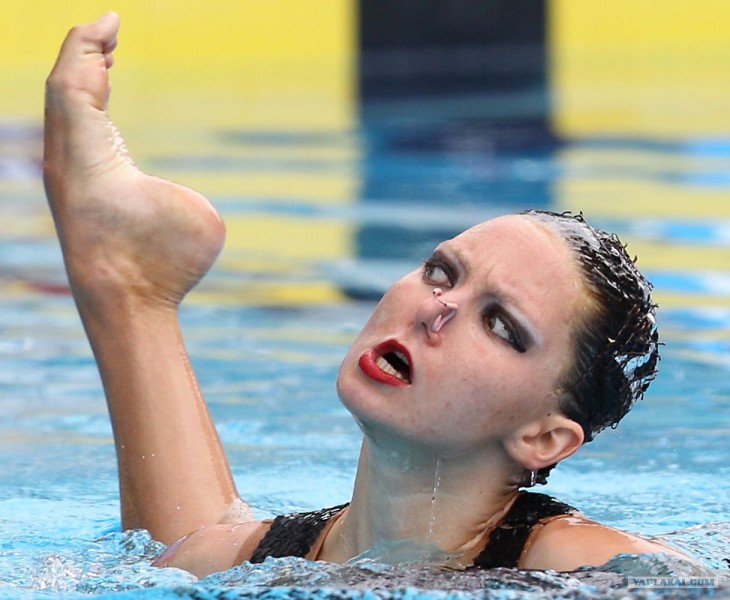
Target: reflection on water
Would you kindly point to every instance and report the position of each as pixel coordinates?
(297, 279)
(120, 562)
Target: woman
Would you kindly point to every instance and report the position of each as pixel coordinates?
(515, 343)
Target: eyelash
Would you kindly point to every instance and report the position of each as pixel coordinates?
(436, 263)
(513, 339)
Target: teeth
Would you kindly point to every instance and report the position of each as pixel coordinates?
(388, 368)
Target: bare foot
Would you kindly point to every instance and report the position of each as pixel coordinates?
(123, 233)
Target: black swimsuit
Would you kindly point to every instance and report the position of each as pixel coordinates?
(295, 534)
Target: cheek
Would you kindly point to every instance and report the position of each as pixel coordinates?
(392, 308)
(534, 391)
(501, 391)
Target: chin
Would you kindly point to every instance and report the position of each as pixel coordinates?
(363, 404)
(346, 384)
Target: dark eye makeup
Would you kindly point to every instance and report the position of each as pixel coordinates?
(439, 271)
(503, 327)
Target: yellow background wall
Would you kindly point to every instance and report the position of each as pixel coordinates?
(651, 67)
(255, 50)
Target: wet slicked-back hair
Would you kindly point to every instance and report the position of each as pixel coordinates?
(616, 348)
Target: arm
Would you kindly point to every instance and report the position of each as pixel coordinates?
(133, 246)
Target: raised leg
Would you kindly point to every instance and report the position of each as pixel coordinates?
(133, 246)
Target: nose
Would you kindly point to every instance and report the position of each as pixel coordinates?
(436, 312)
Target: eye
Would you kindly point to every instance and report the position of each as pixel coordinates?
(503, 328)
(438, 272)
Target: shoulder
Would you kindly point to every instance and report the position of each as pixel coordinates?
(215, 547)
(218, 547)
(567, 542)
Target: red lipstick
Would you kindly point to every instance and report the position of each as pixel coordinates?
(388, 363)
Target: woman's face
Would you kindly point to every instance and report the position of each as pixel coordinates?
(471, 380)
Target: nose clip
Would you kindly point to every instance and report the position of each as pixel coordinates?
(442, 318)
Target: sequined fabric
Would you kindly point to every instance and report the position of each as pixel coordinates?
(507, 541)
(294, 534)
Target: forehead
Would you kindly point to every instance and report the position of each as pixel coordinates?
(518, 236)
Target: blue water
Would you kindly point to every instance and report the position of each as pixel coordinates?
(268, 366)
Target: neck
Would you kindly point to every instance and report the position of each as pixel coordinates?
(415, 506)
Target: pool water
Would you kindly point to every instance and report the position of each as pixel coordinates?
(299, 276)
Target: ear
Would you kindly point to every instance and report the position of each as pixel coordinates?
(544, 441)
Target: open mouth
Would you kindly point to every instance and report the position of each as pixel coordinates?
(395, 363)
(388, 363)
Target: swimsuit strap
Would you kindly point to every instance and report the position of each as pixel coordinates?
(508, 540)
(293, 534)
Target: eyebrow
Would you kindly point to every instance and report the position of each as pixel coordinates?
(501, 297)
